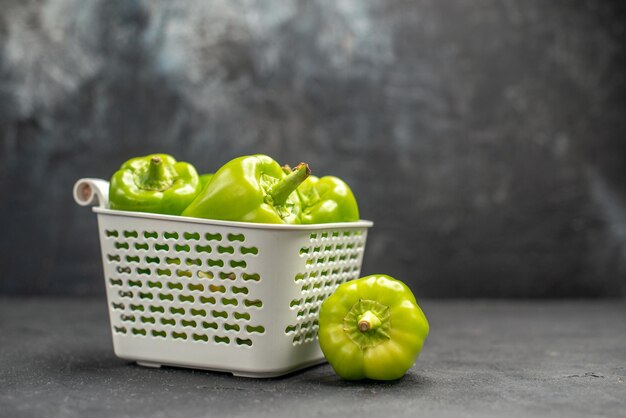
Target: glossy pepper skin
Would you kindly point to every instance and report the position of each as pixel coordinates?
(156, 183)
(251, 188)
(372, 328)
(327, 199)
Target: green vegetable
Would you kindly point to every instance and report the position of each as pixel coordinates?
(155, 183)
(372, 328)
(205, 179)
(251, 189)
(327, 199)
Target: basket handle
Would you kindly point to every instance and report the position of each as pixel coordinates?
(88, 190)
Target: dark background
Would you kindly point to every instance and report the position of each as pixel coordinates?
(486, 139)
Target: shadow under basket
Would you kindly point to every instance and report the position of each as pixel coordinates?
(234, 297)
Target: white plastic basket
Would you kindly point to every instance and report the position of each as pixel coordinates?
(227, 296)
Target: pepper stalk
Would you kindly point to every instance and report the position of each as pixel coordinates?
(280, 191)
(369, 322)
(157, 177)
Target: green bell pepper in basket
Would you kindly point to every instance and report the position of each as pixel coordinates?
(372, 328)
(205, 179)
(325, 200)
(155, 183)
(251, 189)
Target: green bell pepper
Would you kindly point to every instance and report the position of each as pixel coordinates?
(155, 183)
(327, 199)
(205, 179)
(372, 328)
(251, 189)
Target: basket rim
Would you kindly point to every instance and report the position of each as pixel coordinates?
(185, 219)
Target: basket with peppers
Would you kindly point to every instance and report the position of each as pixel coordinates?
(368, 328)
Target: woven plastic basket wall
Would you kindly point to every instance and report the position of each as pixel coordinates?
(228, 296)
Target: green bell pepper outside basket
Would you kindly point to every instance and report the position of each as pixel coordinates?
(372, 328)
(251, 189)
(155, 183)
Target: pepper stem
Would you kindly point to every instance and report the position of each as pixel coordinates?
(368, 321)
(157, 176)
(156, 170)
(280, 191)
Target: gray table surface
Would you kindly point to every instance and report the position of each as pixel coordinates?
(483, 358)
